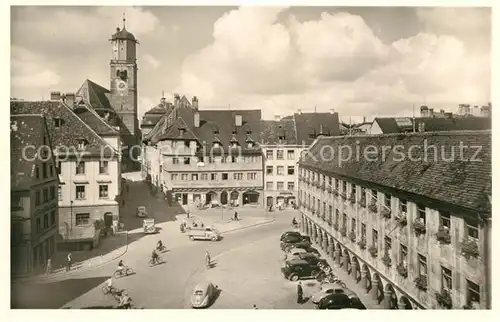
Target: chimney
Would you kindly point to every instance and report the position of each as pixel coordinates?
(277, 117)
(364, 119)
(163, 101)
(421, 127)
(70, 99)
(177, 100)
(460, 109)
(196, 119)
(424, 111)
(195, 103)
(332, 111)
(55, 96)
(431, 112)
(237, 120)
(441, 113)
(299, 111)
(467, 109)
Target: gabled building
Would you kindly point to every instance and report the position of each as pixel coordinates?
(202, 157)
(33, 185)
(283, 141)
(86, 151)
(407, 215)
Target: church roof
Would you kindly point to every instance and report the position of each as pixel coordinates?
(123, 34)
(95, 95)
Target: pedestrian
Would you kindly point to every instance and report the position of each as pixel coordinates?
(300, 293)
(49, 266)
(68, 266)
(187, 214)
(236, 215)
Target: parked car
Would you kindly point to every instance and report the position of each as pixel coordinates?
(305, 245)
(335, 301)
(141, 212)
(291, 240)
(289, 233)
(294, 253)
(326, 289)
(203, 295)
(207, 233)
(296, 269)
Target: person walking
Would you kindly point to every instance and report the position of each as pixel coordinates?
(300, 293)
(236, 216)
(68, 266)
(49, 266)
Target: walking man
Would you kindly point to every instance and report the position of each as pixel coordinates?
(300, 293)
(68, 266)
(236, 216)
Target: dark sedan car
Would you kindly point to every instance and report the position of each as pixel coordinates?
(305, 245)
(290, 241)
(339, 301)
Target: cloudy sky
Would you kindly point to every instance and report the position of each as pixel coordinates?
(358, 61)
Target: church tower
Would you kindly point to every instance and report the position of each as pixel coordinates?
(123, 87)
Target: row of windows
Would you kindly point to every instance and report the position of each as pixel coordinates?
(81, 189)
(49, 220)
(216, 144)
(212, 176)
(222, 159)
(473, 290)
(47, 171)
(280, 185)
(280, 170)
(371, 197)
(80, 167)
(48, 194)
(290, 154)
(82, 219)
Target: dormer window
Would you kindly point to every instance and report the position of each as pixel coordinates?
(249, 132)
(82, 144)
(250, 144)
(58, 123)
(281, 137)
(234, 145)
(216, 144)
(182, 131)
(216, 131)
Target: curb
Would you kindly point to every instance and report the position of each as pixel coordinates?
(251, 226)
(84, 268)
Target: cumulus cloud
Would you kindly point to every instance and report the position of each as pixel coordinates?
(334, 62)
(151, 60)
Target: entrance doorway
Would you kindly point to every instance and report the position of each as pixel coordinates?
(108, 219)
(234, 198)
(223, 197)
(250, 197)
(184, 198)
(269, 201)
(210, 196)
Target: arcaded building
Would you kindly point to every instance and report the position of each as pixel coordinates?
(408, 216)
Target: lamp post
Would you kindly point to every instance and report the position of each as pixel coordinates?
(71, 215)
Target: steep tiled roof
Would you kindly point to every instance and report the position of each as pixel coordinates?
(26, 130)
(154, 115)
(70, 132)
(439, 178)
(211, 121)
(95, 95)
(434, 124)
(271, 131)
(309, 125)
(92, 119)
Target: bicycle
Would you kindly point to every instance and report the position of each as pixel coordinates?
(124, 272)
(152, 262)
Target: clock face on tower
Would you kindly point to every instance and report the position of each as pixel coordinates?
(122, 87)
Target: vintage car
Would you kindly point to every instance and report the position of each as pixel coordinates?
(326, 289)
(293, 253)
(206, 233)
(149, 226)
(141, 212)
(203, 295)
(340, 301)
(296, 269)
(289, 233)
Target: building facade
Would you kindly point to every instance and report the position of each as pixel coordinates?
(88, 167)
(205, 157)
(34, 213)
(283, 141)
(416, 235)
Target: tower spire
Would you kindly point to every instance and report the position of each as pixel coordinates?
(124, 20)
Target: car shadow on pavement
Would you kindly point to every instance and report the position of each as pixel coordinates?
(51, 295)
